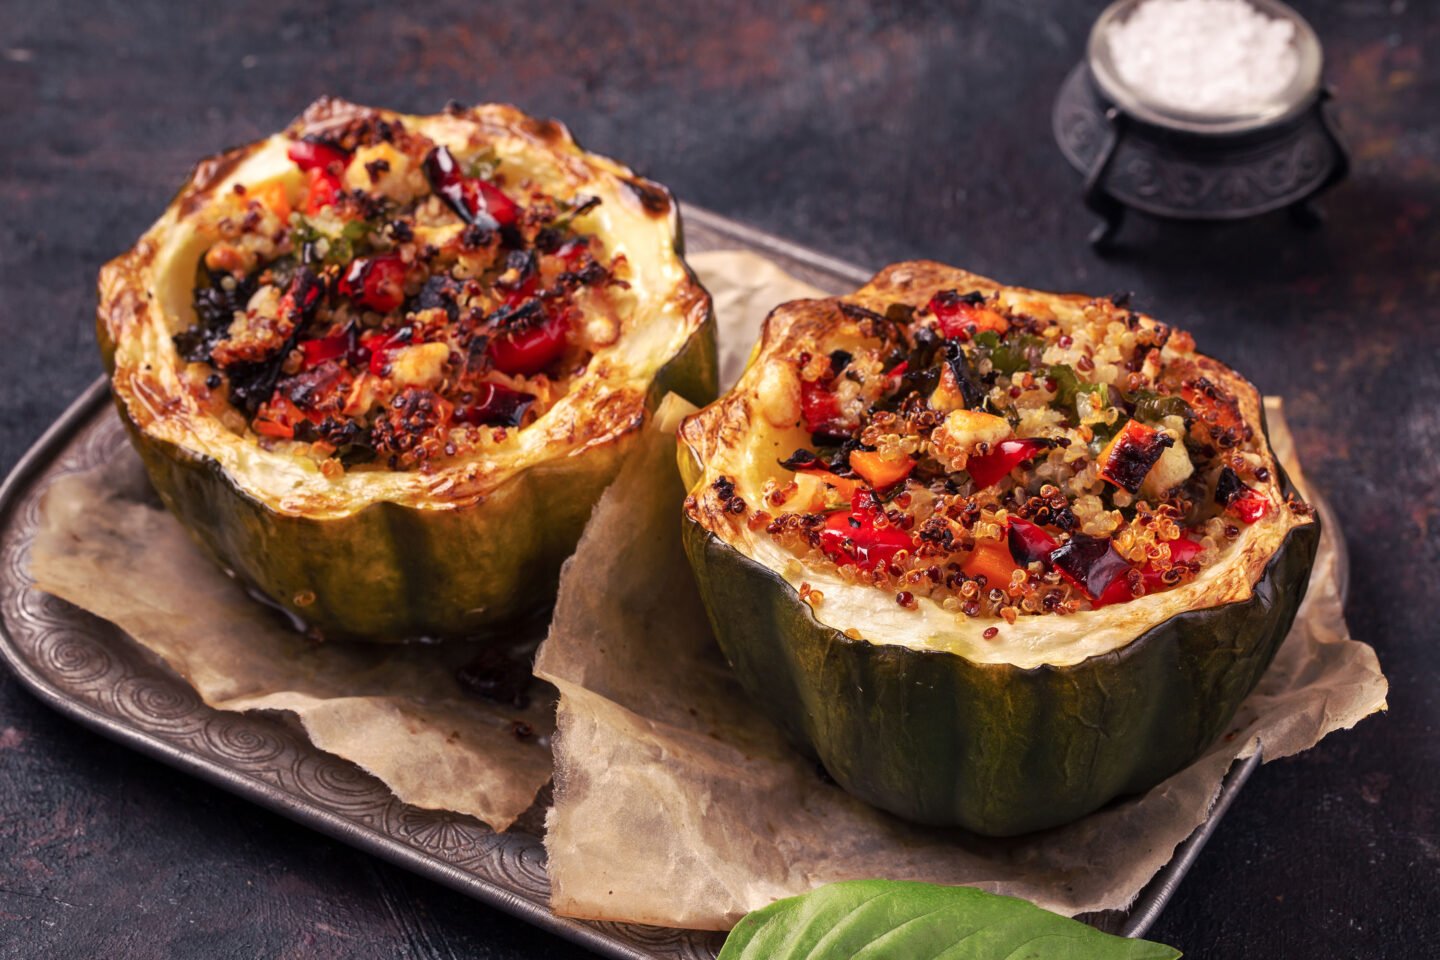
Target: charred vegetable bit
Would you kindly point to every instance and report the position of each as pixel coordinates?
(1130, 454)
(389, 301)
(478, 202)
(971, 389)
(999, 464)
(495, 405)
(1238, 498)
(802, 460)
(216, 302)
(1090, 563)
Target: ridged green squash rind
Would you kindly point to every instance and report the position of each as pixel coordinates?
(997, 749)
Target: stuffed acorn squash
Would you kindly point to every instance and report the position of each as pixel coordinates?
(382, 366)
(996, 556)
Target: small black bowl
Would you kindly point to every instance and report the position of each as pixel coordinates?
(1172, 163)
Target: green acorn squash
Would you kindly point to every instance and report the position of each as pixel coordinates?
(923, 687)
(406, 254)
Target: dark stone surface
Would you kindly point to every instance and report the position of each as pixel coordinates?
(871, 131)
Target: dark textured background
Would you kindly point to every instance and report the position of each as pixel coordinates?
(873, 132)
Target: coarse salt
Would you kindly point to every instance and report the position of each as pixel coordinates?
(1215, 57)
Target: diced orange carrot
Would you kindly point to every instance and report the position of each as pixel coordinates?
(1218, 420)
(277, 417)
(992, 559)
(844, 487)
(269, 428)
(987, 320)
(273, 196)
(881, 470)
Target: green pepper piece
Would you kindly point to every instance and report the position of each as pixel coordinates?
(1150, 407)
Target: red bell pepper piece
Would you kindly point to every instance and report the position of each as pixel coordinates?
(573, 250)
(1030, 542)
(446, 180)
(473, 200)
(383, 347)
(327, 348)
(517, 295)
(961, 319)
(854, 538)
(301, 297)
(375, 283)
(819, 407)
(1250, 506)
(483, 197)
(314, 155)
(1117, 592)
(1183, 550)
(323, 166)
(995, 466)
(1094, 566)
(324, 189)
(532, 349)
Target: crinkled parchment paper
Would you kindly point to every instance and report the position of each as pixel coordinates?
(108, 546)
(677, 804)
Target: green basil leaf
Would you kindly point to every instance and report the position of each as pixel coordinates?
(483, 165)
(1068, 384)
(1150, 407)
(885, 919)
(580, 205)
(1013, 355)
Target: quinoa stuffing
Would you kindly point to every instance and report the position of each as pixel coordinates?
(391, 305)
(1003, 464)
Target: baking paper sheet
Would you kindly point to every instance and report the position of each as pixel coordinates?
(677, 804)
(108, 546)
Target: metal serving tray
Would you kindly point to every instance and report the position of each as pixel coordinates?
(90, 671)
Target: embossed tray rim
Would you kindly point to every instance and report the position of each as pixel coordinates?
(607, 939)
